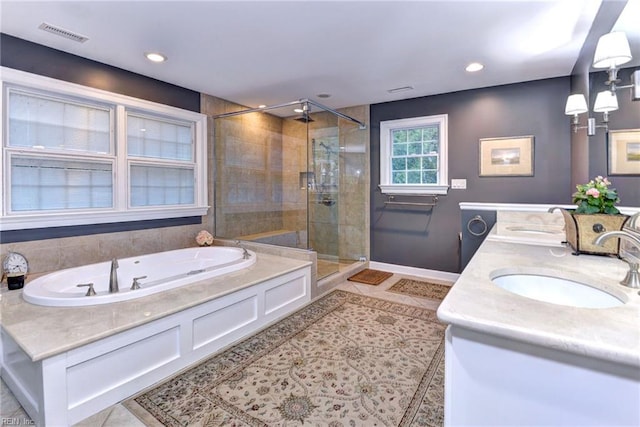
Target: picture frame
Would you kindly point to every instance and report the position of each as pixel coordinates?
(508, 156)
(623, 152)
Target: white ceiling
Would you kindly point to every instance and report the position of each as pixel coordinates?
(268, 52)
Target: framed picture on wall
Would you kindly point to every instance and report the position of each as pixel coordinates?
(510, 156)
(623, 152)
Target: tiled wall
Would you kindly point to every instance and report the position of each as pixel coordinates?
(248, 170)
(261, 160)
(55, 254)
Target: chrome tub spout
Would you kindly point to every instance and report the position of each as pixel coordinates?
(113, 279)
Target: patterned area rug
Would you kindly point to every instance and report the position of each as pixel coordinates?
(370, 277)
(420, 289)
(343, 360)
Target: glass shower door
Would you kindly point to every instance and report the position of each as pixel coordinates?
(324, 185)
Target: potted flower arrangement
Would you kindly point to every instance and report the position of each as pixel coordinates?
(595, 213)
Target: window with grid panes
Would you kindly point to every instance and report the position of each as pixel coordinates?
(413, 155)
(75, 155)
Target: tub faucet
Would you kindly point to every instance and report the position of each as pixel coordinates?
(632, 279)
(245, 252)
(113, 279)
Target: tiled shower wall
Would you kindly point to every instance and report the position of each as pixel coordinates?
(248, 170)
(261, 160)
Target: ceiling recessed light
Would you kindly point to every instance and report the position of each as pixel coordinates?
(155, 57)
(262, 106)
(474, 66)
(323, 95)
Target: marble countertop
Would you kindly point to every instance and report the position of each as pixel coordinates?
(46, 331)
(475, 303)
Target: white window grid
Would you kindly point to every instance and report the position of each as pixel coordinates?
(416, 171)
(119, 107)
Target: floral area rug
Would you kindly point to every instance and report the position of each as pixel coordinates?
(343, 360)
(420, 289)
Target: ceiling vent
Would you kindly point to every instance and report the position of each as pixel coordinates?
(63, 33)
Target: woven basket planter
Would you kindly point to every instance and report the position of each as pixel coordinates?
(583, 229)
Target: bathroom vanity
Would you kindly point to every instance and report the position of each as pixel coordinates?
(67, 363)
(513, 360)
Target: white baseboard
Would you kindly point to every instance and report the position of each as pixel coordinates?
(414, 271)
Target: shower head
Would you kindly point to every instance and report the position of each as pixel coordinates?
(305, 110)
(304, 118)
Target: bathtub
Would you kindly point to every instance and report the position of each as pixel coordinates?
(163, 271)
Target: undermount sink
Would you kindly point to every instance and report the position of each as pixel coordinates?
(556, 291)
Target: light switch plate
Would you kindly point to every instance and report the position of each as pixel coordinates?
(458, 184)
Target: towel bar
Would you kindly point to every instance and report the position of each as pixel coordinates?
(390, 201)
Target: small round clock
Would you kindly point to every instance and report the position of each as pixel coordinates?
(15, 267)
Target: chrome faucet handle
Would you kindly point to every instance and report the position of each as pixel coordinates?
(632, 279)
(136, 285)
(90, 292)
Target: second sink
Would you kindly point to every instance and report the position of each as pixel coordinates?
(556, 291)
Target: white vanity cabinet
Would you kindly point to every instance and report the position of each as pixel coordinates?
(513, 361)
(495, 381)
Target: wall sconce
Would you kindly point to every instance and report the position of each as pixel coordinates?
(611, 52)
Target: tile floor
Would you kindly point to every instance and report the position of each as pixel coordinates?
(12, 414)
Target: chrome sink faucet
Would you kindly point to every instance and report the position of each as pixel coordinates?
(632, 279)
(113, 279)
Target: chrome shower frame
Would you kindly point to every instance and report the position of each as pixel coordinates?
(302, 102)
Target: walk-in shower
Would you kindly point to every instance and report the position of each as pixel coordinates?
(294, 174)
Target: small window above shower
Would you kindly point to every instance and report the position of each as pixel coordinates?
(413, 155)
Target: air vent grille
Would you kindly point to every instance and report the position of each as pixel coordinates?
(63, 33)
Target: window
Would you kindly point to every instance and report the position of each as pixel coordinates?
(413, 155)
(74, 155)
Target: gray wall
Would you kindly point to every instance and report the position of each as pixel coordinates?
(38, 59)
(428, 238)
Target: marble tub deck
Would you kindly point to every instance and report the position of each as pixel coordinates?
(47, 331)
(117, 416)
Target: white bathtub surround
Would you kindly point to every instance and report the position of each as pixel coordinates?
(513, 360)
(153, 273)
(67, 363)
